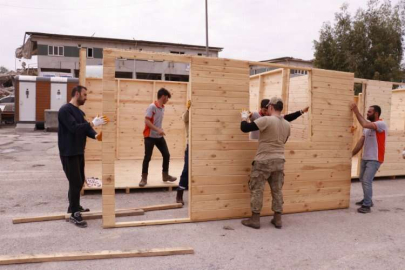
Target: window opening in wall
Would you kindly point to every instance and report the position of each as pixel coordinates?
(89, 52)
(291, 87)
(148, 76)
(176, 52)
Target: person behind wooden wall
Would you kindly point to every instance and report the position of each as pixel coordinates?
(268, 164)
(264, 112)
(154, 136)
(183, 185)
(72, 133)
(373, 140)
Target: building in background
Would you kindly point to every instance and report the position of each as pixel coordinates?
(58, 56)
(291, 61)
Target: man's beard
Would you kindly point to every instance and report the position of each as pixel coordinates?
(371, 118)
(81, 101)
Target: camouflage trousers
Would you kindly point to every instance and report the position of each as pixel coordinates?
(271, 171)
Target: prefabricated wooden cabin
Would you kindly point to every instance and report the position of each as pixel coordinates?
(318, 167)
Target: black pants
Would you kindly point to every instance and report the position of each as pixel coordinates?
(74, 169)
(162, 146)
(184, 175)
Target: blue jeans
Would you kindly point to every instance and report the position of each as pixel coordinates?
(368, 170)
(184, 175)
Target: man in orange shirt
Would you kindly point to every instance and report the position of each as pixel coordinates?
(154, 135)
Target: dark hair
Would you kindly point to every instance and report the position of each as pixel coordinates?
(163, 92)
(264, 103)
(78, 89)
(278, 106)
(377, 109)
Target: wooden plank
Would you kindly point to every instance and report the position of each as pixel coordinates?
(285, 89)
(155, 56)
(274, 65)
(98, 255)
(278, 70)
(82, 66)
(85, 215)
(151, 222)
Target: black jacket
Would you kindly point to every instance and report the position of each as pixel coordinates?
(73, 131)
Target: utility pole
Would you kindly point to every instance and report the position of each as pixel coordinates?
(206, 27)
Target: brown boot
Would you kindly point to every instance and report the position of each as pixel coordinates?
(179, 197)
(253, 222)
(144, 180)
(168, 178)
(276, 221)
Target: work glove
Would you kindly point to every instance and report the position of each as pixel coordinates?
(403, 154)
(245, 114)
(188, 104)
(100, 120)
(99, 136)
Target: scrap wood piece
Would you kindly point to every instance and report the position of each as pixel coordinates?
(83, 255)
(97, 215)
(85, 215)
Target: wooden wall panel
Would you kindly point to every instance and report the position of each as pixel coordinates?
(221, 155)
(298, 99)
(92, 108)
(43, 99)
(272, 85)
(317, 173)
(264, 85)
(398, 110)
(394, 164)
(134, 96)
(379, 93)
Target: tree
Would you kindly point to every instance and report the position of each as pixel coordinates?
(3, 69)
(368, 44)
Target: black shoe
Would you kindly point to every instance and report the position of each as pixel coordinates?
(77, 219)
(362, 201)
(364, 209)
(81, 209)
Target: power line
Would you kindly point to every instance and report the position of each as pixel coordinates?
(77, 9)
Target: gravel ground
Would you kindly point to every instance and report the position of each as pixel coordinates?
(32, 183)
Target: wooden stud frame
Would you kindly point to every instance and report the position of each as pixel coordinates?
(317, 172)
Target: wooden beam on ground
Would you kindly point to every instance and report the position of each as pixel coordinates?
(162, 207)
(85, 215)
(151, 222)
(82, 255)
(95, 215)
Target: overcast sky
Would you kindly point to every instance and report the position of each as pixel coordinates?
(246, 29)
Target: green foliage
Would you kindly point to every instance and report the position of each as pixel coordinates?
(368, 44)
(3, 69)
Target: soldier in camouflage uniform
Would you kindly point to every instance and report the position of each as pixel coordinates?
(268, 165)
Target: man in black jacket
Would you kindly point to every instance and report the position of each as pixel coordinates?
(72, 133)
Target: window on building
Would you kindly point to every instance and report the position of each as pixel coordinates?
(90, 53)
(56, 50)
(123, 74)
(175, 52)
(176, 77)
(148, 76)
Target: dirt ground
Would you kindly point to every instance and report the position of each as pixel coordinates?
(32, 183)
